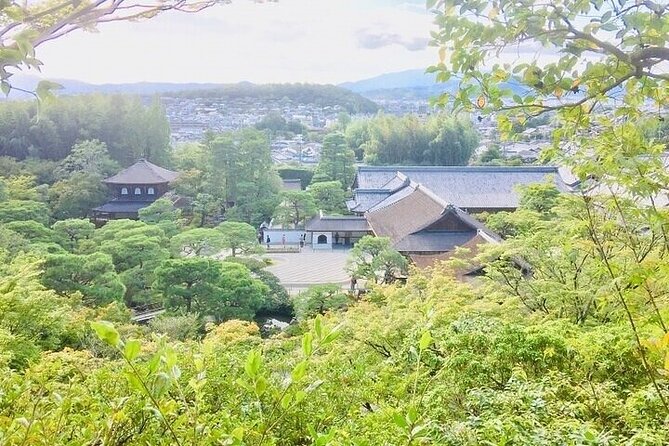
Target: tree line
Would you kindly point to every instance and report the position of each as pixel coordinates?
(440, 139)
(129, 128)
(318, 95)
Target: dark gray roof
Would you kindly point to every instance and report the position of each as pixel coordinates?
(469, 187)
(406, 216)
(434, 241)
(126, 207)
(363, 200)
(327, 223)
(420, 221)
(143, 172)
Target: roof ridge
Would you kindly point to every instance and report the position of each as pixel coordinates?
(411, 184)
(530, 168)
(432, 195)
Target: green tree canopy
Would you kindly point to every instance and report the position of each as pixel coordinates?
(373, 259)
(337, 161)
(23, 210)
(295, 208)
(137, 249)
(320, 299)
(163, 214)
(239, 237)
(71, 232)
(198, 242)
(34, 319)
(74, 197)
(92, 275)
(329, 196)
(210, 288)
(90, 156)
(31, 230)
(441, 139)
(607, 80)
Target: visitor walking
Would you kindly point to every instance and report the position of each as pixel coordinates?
(268, 241)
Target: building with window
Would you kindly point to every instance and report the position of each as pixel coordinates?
(132, 189)
(425, 211)
(471, 188)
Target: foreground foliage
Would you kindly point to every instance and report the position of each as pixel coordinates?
(431, 362)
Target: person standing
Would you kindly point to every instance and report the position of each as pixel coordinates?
(268, 241)
(283, 240)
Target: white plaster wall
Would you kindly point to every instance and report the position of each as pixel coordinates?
(276, 235)
(314, 240)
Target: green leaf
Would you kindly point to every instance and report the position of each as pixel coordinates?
(318, 326)
(134, 381)
(261, 386)
(253, 362)
(286, 400)
(307, 344)
(400, 421)
(5, 87)
(299, 371)
(412, 414)
(106, 332)
(299, 396)
(425, 340)
(332, 336)
(131, 349)
(44, 89)
(237, 433)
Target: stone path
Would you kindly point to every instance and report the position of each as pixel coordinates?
(299, 271)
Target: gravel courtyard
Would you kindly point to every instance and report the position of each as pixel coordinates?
(298, 271)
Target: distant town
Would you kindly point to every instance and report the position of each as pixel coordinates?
(191, 117)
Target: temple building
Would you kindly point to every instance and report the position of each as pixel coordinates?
(425, 211)
(134, 188)
(471, 188)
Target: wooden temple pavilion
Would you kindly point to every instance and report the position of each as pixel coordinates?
(134, 188)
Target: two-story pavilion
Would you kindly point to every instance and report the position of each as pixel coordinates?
(134, 188)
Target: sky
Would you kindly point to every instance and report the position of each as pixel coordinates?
(317, 41)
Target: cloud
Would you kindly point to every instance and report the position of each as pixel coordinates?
(372, 40)
(322, 41)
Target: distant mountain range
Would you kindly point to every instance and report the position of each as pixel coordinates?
(29, 82)
(392, 81)
(409, 84)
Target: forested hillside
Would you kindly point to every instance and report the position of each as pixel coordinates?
(320, 95)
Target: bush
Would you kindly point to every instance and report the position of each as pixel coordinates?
(320, 299)
(178, 327)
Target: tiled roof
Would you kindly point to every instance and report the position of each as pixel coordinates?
(325, 223)
(420, 221)
(406, 215)
(469, 187)
(434, 241)
(473, 246)
(143, 172)
(363, 200)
